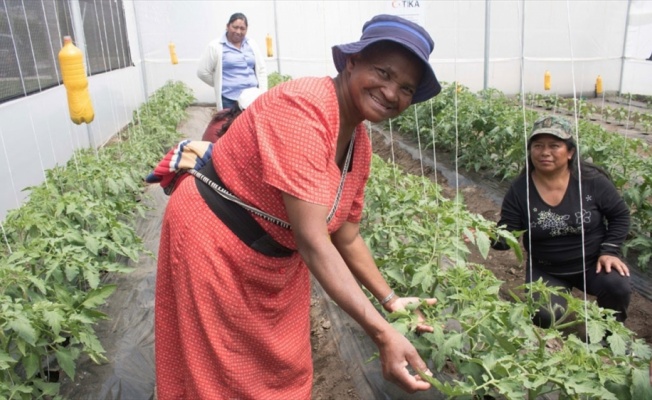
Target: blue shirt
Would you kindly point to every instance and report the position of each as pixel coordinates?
(238, 68)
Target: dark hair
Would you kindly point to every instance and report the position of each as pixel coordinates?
(220, 122)
(236, 17)
(589, 170)
(229, 117)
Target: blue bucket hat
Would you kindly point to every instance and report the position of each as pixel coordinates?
(396, 29)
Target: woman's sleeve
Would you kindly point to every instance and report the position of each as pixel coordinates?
(207, 64)
(261, 69)
(511, 215)
(617, 216)
(295, 141)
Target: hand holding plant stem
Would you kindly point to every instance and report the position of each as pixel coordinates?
(407, 303)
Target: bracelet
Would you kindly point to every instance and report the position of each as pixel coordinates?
(388, 298)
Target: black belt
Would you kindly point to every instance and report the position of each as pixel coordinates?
(237, 219)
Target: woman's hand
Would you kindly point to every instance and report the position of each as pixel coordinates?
(401, 303)
(612, 262)
(396, 353)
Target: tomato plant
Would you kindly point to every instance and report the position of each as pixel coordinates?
(487, 346)
(75, 228)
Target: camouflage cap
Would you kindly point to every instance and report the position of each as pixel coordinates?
(552, 125)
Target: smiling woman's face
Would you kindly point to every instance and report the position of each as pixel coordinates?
(383, 80)
(236, 31)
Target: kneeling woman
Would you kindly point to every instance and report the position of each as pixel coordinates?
(574, 219)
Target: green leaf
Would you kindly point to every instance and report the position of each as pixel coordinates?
(21, 389)
(72, 271)
(596, 331)
(48, 388)
(98, 297)
(24, 329)
(113, 186)
(66, 362)
(641, 385)
(74, 237)
(92, 277)
(396, 275)
(93, 346)
(92, 244)
(54, 319)
(32, 363)
(6, 360)
(38, 283)
(483, 242)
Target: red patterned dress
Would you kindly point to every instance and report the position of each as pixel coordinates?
(232, 323)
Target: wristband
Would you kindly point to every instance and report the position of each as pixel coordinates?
(388, 298)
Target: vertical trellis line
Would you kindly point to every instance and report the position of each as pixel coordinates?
(117, 55)
(579, 167)
(457, 135)
(391, 148)
(38, 149)
(56, 67)
(4, 235)
(416, 124)
(13, 42)
(434, 145)
(31, 47)
(101, 30)
(11, 175)
(47, 28)
(525, 134)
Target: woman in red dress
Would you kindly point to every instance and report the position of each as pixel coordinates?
(232, 310)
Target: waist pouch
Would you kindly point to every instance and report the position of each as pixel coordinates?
(237, 219)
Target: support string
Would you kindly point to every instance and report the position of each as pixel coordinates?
(416, 124)
(579, 169)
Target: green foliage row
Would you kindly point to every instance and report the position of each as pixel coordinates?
(275, 78)
(76, 227)
(587, 110)
(482, 346)
(487, 133)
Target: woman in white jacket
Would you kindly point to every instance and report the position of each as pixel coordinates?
(232, 63)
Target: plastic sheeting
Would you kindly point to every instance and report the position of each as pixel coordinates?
(356, 348)
(128, 336)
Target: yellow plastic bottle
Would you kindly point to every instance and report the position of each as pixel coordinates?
(173, 53)
(546, 81)
(270, 50)
(73, 72)
(598, 86)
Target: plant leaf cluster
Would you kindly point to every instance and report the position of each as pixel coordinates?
(75, 229)
(483, 345)
(487, 133)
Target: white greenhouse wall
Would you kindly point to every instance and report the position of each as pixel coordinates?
(575, 40)
(37, 133)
